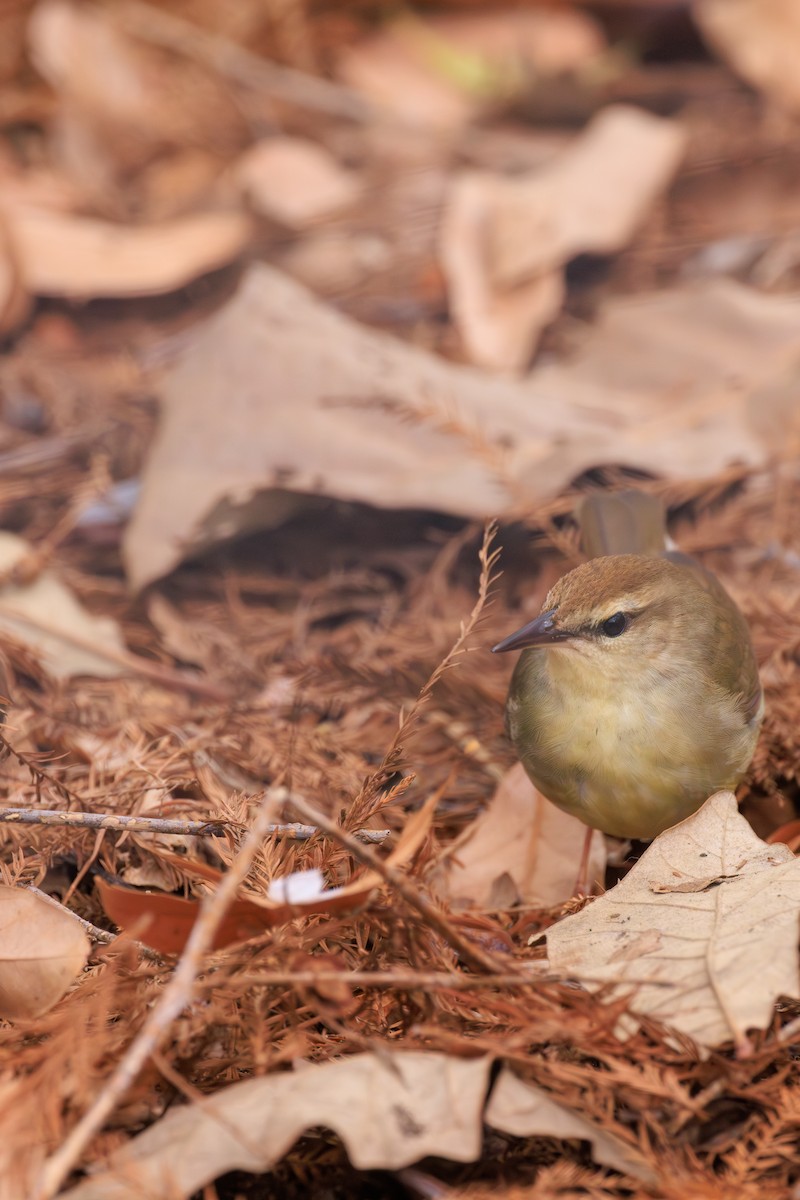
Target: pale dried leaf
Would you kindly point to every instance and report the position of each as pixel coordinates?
(439, 71)
(279, 391)
(702, 933)
(504, 240)
(521, 849)
(295, 181)
(122, 102)
(178, 635)
(47, 617)
(15, 300)
(761, 41)
(499, 328)
(332, 260)
(62, 255)
(524, 1110)
(389, 1110)
(42, 950)
(79, 52)
(590, 199)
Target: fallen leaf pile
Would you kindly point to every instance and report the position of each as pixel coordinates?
(317, 322)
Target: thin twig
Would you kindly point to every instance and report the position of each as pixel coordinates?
(171, 825)
(470, 952)
(301, 833)
(174, 998)
(94, 820)
(102, 936)
(455, 981)
(97, 935)
(165, 676)
(153, 24)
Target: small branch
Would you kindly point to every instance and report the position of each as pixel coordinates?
(301, 833)
(470, 952)
(174, 998)
(152, 24)
(102, 936)
(168, 677)
(97, 935)
(93, 820)
(401, 980)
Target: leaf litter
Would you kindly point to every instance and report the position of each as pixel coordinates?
(284, 672)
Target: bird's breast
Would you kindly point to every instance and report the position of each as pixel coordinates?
(630, 752)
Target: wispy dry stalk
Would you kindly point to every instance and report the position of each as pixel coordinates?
(174, 998)
(39, 775)
(364, 804)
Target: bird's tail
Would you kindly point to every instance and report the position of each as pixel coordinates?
(622, 523)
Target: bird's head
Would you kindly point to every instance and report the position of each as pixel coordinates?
(616, 608)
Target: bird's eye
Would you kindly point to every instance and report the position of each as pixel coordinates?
(615, 625)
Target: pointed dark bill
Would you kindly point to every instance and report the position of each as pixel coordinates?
(542, 631)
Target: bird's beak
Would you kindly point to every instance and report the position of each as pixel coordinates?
(540, 632)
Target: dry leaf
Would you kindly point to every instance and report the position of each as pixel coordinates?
(165, 921)
(499, 328)
(761, 41)
(278, 391)
(505, 240)
(702, 932)
(15, 300)
(42, 949)
(12, 41)
(524, 1110)
(46, 616)
(389, 1110)
(179, 636)
(521, 849)
(440, 71)
(590, 199)
(62, 255)
(294, 181)
(121, 102)
(332, 260)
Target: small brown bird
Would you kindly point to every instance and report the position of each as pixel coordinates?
(638, 693)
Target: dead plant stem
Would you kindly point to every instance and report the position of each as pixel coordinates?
(165, 676)
(102, 936)
(153, 24)
(455, 981)
(174, 998)
(115, 821)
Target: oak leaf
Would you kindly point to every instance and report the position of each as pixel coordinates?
(521, 849)
(389, 1109)
(42, 949)
(702, 933)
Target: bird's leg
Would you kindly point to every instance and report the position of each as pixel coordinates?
(582, 887)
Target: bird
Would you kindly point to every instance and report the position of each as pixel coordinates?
(637, 693)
